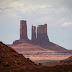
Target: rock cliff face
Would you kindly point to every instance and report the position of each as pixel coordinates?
(39, 45)
(33, 33)
(9, 57)
(23, 33)
(41, 39)
(23, 30)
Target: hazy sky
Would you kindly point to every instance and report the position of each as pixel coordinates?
(56, 13)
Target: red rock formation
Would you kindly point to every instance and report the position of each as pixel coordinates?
(33, 33)
(42, 36)
(23, 30)
(10, 58)
(23, 33)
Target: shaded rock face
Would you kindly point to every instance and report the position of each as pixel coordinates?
(42, 37)
(23, 33)
(33, 33)
(9, 57)
(39, 40)
(67, 61)
(23, 30)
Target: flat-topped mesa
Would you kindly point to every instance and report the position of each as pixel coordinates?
(23, 30)
(33, 33)
(42, 36)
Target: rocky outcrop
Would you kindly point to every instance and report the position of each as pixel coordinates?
(23, 33)
(42, 37)
(10, 58)
(23, 30)
(39, 37)
(38, 41)
(33, 33)
(66, 61)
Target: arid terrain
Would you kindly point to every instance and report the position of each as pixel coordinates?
(10, 58)
(35, 55)
(36, 52)
(39, 47)
(12, 61)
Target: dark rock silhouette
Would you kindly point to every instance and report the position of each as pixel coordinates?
(33, 33)
(66, 61)
(42, 37)
(39, 44)
(39, 37)
(23, 30)
(10, 58)
(23, 33)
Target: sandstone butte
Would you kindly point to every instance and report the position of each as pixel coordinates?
(39, 47)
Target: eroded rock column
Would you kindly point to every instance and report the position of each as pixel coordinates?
(33, 33)
(23, 30)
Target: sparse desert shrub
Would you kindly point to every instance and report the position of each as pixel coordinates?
(6, 64)
(12, 50)
(15, 55)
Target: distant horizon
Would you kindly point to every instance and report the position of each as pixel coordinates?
(57, 14)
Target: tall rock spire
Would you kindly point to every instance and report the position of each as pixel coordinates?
(41, 39)
(23, 30)
(33, 33)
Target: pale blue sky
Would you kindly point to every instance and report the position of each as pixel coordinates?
(56, 13)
